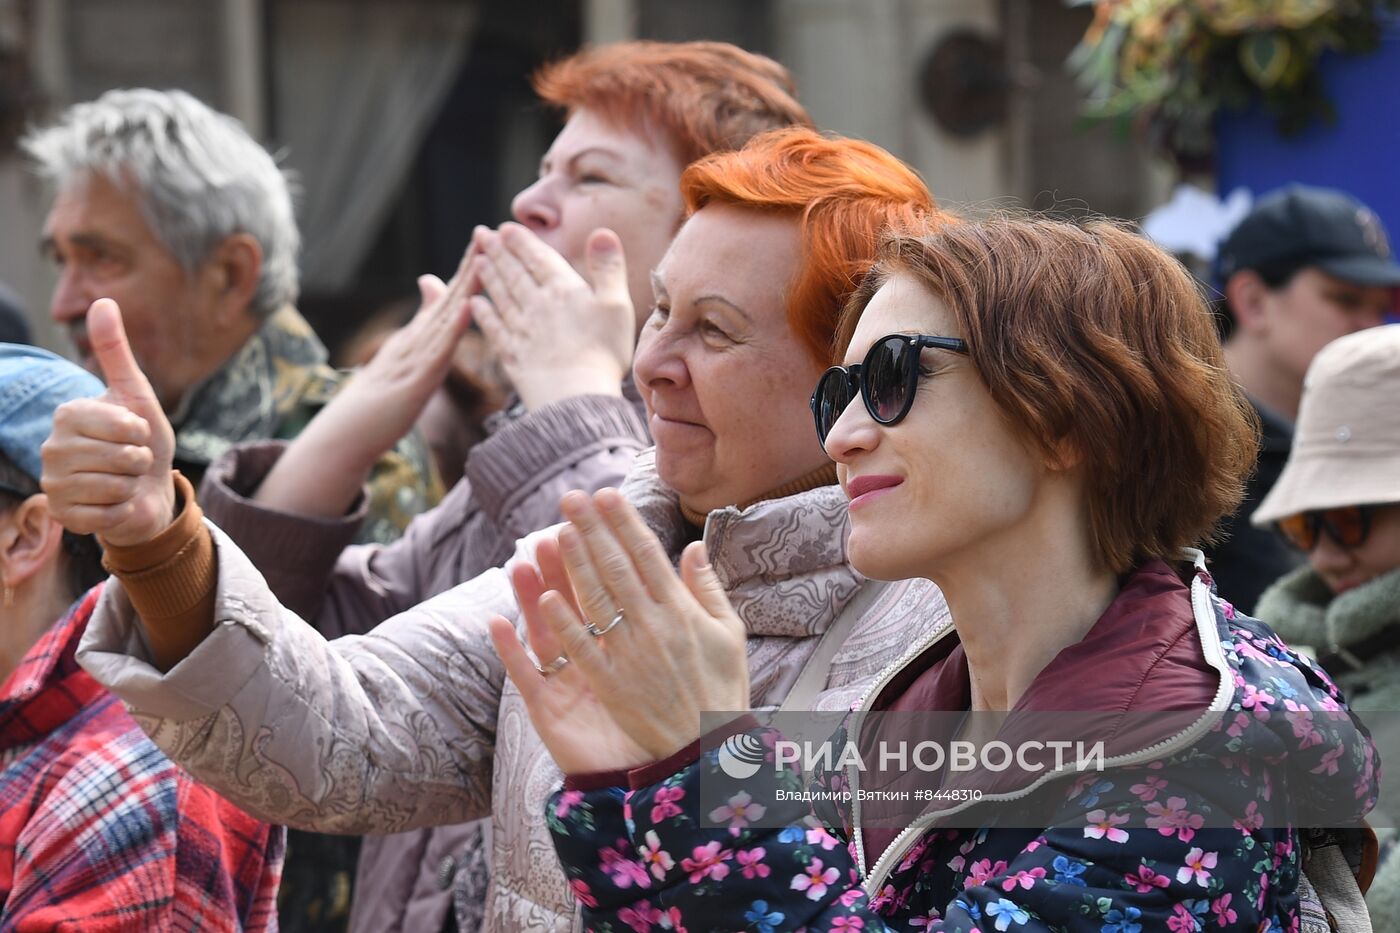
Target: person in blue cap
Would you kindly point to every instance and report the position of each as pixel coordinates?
(1306, 266)
(98, 829)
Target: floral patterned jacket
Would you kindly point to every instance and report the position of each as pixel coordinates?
(1171, 836)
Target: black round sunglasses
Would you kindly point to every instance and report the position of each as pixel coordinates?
(885, 381)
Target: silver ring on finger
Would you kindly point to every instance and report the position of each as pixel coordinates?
(597, 632)
(553, 667)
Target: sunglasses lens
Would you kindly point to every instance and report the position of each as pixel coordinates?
(887, 374)
(1300, 530)
(1347, 525)
(832, 396)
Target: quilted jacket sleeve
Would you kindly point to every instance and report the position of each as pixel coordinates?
(367, 734)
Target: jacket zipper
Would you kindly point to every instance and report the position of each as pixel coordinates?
(1204, 614)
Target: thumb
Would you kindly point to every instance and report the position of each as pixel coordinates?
(126, 383)
(607, 267)
(700, 578)
(431, 288)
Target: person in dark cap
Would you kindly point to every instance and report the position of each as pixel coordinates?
(1306, 266)
(14, 323)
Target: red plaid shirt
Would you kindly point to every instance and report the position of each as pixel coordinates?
(99, 831)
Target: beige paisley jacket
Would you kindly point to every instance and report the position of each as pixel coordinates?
(416, 724)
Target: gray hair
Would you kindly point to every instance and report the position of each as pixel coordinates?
(199, 177)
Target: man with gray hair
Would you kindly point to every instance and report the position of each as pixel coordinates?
(174, 211)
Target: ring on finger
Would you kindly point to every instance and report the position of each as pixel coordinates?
(553, 667)
(597, 632)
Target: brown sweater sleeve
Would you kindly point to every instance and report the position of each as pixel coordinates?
(171, 580)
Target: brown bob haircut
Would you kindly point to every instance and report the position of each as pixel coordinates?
(704, 96)
(843, 193)
(1097, 344)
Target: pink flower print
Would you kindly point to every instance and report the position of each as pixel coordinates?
(1103, 825)
(1181, 920)
(927, 920)
(1026, 879)
(567, 801)
(1197, 867)
(707, 861)
(912, 857)
(1239, 725)
(814, 880)
(655, 858)
(1174, 819)
(1263, 891)
(640, 918)
(982, 871)
(671, 920)
(1145, 879)
(1251, 820)
(1149, 788)
(848, 899)
(623, 871)
(580, 889)
(665, 805)
(1284, 848)
(1228, 608)
(820, 837)
(1221, 908)
(1257, 700)
(1328, 764)
(848, 923)
(957, 862)
(751, 863)
(738, 812)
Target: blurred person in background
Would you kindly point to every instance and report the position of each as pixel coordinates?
(173, 210)
(98, 829)
(563, 331)
(1306, 266)
(414, 724)
(1338, 502)
(14, 321)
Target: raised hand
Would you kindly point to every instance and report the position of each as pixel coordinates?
(576, 727)
(107, 463)
(322, 471)
(679, 648)
(556, 335)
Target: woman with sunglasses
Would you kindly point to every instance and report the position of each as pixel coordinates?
(1038, 419)
(416, 724)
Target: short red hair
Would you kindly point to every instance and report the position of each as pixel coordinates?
(705, 96)
(845, 192)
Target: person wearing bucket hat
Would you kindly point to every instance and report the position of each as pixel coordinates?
(1306, 266)
(1338, 501)
(95, 821)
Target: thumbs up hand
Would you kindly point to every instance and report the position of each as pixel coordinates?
(107, 462)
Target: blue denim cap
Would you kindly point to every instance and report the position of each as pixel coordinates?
(34, 382)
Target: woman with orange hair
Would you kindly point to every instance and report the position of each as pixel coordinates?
(415, 724)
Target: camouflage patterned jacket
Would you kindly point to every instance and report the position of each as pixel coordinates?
(271, 389)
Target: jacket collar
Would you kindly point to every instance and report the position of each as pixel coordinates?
(48, 688)
(1304, 611)
(782, 561)
(249, 396)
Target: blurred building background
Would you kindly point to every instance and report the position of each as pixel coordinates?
(410, 121)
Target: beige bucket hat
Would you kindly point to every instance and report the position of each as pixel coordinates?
(1346, 445)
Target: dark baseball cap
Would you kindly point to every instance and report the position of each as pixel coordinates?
(1319, 227)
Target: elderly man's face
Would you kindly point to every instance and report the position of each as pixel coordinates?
(104, 248)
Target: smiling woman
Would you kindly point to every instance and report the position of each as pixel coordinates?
(415, 724)
(1040, 423)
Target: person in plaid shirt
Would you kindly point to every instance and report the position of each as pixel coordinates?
(99, 831)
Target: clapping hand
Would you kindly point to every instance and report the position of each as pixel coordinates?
(555, 334)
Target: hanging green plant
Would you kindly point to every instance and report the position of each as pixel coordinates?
(1167, 67)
